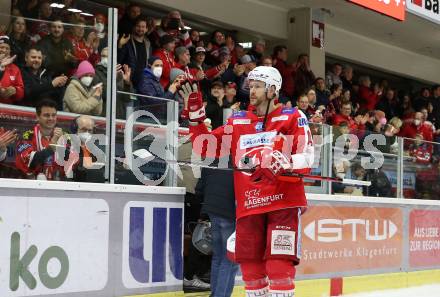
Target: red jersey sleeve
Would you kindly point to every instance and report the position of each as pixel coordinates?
(302, 145)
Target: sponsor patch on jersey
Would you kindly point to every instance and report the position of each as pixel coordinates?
(259, 127)
(241, 121)
(283, 242)
(23, 146)
(239, 114)
(302, 122)
(288, 110)
(280, 118)
(257, 139)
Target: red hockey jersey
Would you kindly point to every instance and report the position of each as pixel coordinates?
(243, 137)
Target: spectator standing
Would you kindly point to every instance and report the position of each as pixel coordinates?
(249, 63)
(217, 187)
(287, 72)
(215, 104)
(38, 83)
(423, 100)
(267, 61)
(347, 78)
(35, 151)
(80, 96)
(344, 116)
(19, 40)
(166, 55)
(304, 76)
(58, 51)
(388, 104)
(123, 80)
(334, 75)
(84, 49)
(127, 22)
(257, 50)
(194, 35)
(415, 126)
(217, 41)
(40, 27)
(367, 98)
(135, 51)
(11, 81)
(405, 109)
(322, 94)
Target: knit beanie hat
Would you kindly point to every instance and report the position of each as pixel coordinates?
(84, 68)
(152, 59)
(175, 72)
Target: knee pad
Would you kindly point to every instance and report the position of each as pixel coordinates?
(254, 275)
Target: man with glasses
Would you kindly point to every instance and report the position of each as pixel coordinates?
(344, 116)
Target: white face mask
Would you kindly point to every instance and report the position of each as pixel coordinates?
(417, 122)
(104, 62)
(99, 27)
(85, 137)
(86, 80)
(157, 71)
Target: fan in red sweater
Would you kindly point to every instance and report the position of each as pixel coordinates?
(166, 54)
(11, 82)
(415, 126)
(344, 116)
(183, 59)
(367, 98)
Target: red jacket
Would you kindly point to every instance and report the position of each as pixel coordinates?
(12, 78)
(287, 129)
(367, 98)
(83, 52)
(410, 130)
(168, 63)
(339, 118)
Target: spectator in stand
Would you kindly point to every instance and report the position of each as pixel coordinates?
(335, 99)
(423, 100)
(127, 22)
(215, 104)
(172, 25)
(150, 84)
(40, 27)
(303, 104)
(359, 128)
(38, 83)
(123, 83)
(435, 101)
(19, 40)
(27, 8)
(80, 96)
(239, 51)
(415, 126)
(322, 94)
(230, 44)
(388, 104)
(304, 76)
(166, 55)
(135, 51)
(7, 137)
(367, 98)
(249, 63)
(405, 109)
(230, 96)
(84, 49)
(11, 81)
(217, 41)
(346, 95)
(347, 78)
(267, 61)
(344, 116)
(198, 59)
(287, 73)
(194, 35)
(35, 151)
(58, 51)
(334, 75)
(258, 49)
(183, 59)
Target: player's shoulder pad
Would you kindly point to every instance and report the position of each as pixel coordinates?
(239, 114)
(27, 135)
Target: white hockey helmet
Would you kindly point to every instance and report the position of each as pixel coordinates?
(269, 75)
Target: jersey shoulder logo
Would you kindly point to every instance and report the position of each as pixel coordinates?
(238, 114)
(27, 135)
(288, 110)
(23, 147)
(302, 122)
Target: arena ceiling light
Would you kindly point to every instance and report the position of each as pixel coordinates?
(74, 10)
(86, 14)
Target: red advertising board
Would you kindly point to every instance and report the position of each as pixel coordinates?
(338, 239)
(424, 238)
(392, 8)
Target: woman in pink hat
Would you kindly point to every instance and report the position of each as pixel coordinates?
(80, 96)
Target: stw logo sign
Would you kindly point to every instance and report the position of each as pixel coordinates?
(428, 9)
(392, 8)
(333, 230)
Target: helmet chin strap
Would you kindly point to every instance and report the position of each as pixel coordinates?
(267, 111)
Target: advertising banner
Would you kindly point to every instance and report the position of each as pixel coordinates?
(152, 244)
(428, 9)
(53, 245)
(424, 238)
(340, 239)
(392, 8)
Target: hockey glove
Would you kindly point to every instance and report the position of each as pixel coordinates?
(273, 164)
(193, 110)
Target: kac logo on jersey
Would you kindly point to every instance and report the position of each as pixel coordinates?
(259, 127)
(302, 122)
(153, 255)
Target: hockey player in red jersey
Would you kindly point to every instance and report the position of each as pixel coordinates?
(271, 141)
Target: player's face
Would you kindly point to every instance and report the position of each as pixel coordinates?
(47, 118)
(257, 91)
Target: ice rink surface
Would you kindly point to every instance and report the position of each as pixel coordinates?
(424, 291)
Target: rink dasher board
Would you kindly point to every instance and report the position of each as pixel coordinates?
(84, 239)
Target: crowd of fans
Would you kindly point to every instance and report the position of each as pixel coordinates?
(56, 60)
